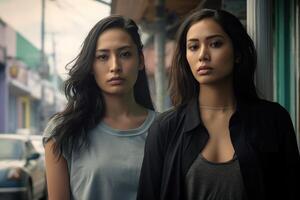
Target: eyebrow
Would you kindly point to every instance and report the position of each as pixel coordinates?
(207, 38)
(118, 49)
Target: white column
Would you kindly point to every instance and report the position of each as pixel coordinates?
(159, 45)
(259, 27)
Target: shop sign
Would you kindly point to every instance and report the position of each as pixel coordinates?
(18, 72)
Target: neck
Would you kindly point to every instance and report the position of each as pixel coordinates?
(120, 105)
(220, 97)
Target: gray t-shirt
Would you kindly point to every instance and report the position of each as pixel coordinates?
(109, 169)
(206, 180)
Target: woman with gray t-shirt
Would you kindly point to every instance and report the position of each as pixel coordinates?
(94, 147)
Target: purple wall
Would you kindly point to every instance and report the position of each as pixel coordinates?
(3, 96)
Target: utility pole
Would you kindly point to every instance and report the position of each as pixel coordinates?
(43, 35)
(43, 71)
(159, 46)
(55, 74)
(54, 58)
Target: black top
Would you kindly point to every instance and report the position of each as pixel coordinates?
(208, 180)
(263, 138)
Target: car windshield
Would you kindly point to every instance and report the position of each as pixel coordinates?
(10, 149)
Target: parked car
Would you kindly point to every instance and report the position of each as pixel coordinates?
(37, 142)
(22, 175)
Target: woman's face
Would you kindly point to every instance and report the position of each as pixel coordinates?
(209, 52)
(116, 63)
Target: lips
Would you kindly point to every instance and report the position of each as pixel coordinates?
(204, 70)
(115, 80)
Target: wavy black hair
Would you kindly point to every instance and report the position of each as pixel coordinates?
(85, 103)
(184, 87)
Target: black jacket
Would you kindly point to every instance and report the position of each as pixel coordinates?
(262, 135)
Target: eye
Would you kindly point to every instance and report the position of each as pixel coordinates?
(193, 47)
(102, 57)
(216, 44)
(125, 54)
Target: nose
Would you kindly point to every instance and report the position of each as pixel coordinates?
(115, 65)
(204, 54)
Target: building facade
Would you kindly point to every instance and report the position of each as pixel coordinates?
(27, 100)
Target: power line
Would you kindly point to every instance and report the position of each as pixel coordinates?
(105, 2)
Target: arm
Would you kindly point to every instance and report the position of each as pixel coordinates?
(57, 174)
(291, 154)
(151, 173)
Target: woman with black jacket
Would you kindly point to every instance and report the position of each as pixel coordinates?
(221, 141)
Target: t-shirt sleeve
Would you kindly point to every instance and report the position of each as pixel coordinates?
(48, 133)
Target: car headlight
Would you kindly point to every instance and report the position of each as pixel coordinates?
(14, 173)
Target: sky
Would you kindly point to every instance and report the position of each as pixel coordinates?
(67, 23)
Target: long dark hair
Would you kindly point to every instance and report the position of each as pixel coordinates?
(183, 86)
(85, 104)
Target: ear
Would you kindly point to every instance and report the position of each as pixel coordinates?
(92, 71)
(141, 62)
(237, 57)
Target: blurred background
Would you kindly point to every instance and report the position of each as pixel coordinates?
(39, 37)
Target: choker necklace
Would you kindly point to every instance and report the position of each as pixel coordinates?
(217, 107)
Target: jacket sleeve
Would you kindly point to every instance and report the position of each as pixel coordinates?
(291, 155)
(151, 172)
